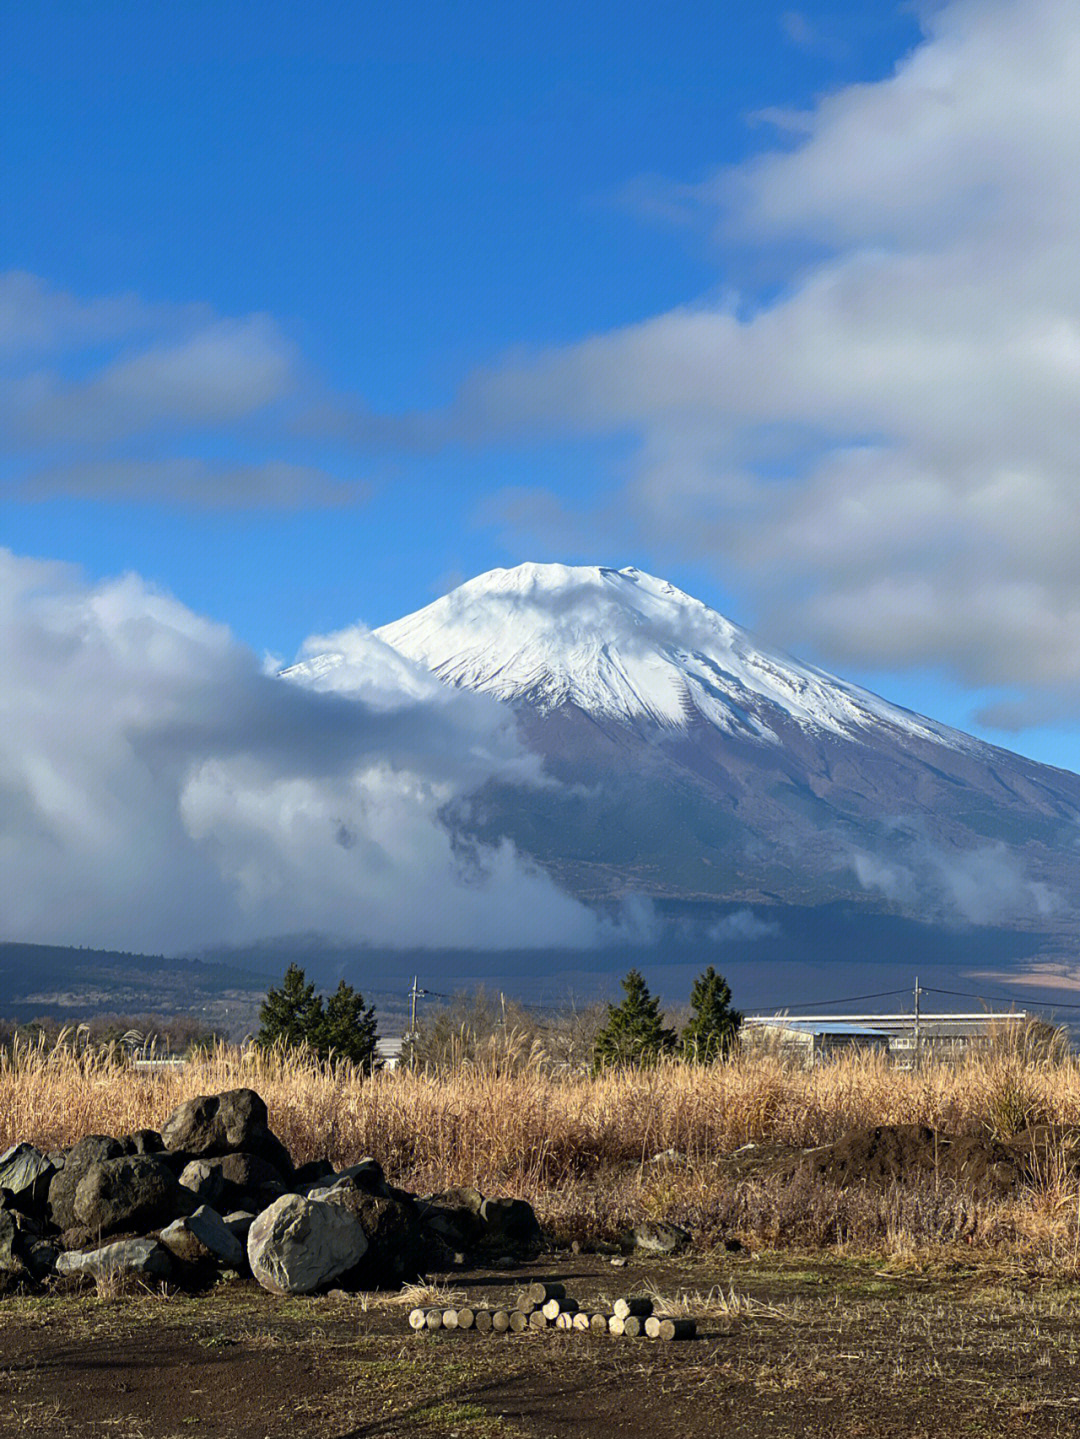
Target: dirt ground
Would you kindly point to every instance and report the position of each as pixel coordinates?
(787, 1346)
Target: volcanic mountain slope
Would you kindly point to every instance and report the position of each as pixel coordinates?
(699, 767)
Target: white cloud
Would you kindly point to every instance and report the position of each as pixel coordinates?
(160, 792)
(189, 481)
(886, 455)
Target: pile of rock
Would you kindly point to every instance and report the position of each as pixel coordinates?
(216, 1189)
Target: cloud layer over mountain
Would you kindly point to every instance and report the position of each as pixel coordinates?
(160, 791)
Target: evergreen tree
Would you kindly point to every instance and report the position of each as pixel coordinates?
(713, 1025)
(634, 1032)
(293, 1014)
(349, 1030)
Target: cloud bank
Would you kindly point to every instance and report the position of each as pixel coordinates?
(117, 399)
(161, 792)
(884, 454)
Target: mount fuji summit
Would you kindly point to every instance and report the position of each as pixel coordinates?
(704, 772)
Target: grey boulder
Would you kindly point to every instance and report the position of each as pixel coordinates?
(127, 1256)
(659, 1238)
(203, 1238)
(25, 1173)
(299, 1245)
(203, 1177)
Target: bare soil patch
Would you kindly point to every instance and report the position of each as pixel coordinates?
(788, 1345)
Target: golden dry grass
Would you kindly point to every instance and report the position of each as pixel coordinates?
(527, 1127)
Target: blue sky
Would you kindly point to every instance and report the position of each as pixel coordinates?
(313, 311)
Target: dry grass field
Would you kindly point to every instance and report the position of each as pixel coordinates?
(596, 1154)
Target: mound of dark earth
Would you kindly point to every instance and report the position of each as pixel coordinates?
(980, 1165)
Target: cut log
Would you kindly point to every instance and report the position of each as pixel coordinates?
(500, 1321)
(519, 1321)
(434, 1319)
(633, 1326)
(554, 1307)
(538, 1319)
(657, 1328)
(640, 1307)
(581, 1321)
(565, 1321)
(418, 1318)
(449, 1319)
(466, 1318)
(540, 1292)
(615, 1324)
(482, 1322)
(599, 1323)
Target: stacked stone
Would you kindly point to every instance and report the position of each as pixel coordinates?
(216, 1189)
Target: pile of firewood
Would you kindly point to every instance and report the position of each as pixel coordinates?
(547, 1306)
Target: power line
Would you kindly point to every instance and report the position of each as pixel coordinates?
(851, 999)
(1004, 998)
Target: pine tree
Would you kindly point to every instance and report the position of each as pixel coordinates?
(634, 1032)
(293, 1014)
(712, 1028)
(349, 1030)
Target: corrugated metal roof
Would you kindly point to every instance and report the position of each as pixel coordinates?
(808, 1027)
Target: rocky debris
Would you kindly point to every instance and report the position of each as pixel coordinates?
(658, 1238)
(127, 1256)
(461, 1219)
(234, 1181)
(234, 1122)
(132, 1192)
(77, 1160)
(299, 1245)
(203, 1238)
(26, 1174)
(301, 1230)
(510, 1224)
(10, 1258)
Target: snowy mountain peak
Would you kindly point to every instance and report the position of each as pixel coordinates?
(624, 646)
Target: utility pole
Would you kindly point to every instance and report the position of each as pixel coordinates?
(918, 1027)
(415, 993)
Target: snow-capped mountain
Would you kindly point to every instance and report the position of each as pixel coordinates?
(698, 768)
(624, 646)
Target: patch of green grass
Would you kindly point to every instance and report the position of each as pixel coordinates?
(469, 1421)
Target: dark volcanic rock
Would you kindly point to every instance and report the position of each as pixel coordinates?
(142, 1141)
(391, 1224)
(130, 1192)
(510, 1224)
(233, 1122)
(10, 1244)
(77, 1160)
(202, 1238)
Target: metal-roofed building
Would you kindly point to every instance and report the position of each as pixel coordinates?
(809, 1042)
